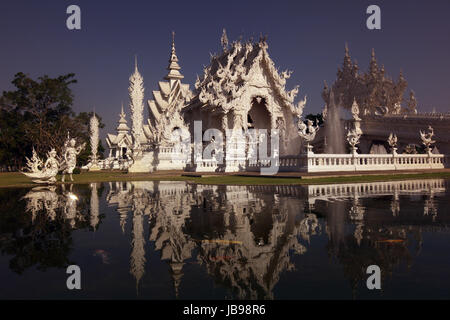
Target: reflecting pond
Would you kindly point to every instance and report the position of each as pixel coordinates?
(168, 240)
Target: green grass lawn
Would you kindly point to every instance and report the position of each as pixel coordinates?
(15, 179)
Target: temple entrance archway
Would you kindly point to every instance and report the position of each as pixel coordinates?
(259, 117)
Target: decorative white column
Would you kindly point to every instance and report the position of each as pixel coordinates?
(94, 143)
(136, 93)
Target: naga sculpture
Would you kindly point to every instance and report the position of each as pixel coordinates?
(43, 172)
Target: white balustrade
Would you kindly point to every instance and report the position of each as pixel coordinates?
(362, 162)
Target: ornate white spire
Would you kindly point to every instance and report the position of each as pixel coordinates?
(224, 40)
(122, 127)
(136, 93)
(94, 138)
(173, 67)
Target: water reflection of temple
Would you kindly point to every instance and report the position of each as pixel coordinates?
(379, 223)
(50, 203)
(242, 238)
(245, 236)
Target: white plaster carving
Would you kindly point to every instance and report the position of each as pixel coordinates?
(94, 143)
(43, 172)
(427, 138)
(70, 153)
(136, 93)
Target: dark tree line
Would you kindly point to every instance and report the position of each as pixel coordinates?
(38, 113)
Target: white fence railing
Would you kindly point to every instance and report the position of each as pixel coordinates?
(362, 162)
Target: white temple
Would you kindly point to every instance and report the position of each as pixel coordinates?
(240, 90)
(241, 117)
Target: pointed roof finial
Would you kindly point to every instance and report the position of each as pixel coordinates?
(173, 63)
(173, 43)
(373, 68)
(224, 40)
(122, 127)
(346, 50)
(135, 62)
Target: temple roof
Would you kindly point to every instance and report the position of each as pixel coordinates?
(164, 109)
(116, 139)
(238, 66)
(122, 132)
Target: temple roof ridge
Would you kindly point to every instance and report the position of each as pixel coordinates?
(227, 76)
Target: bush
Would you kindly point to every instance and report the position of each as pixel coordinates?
(76, 171)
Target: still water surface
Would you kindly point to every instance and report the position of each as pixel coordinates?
(168, 240)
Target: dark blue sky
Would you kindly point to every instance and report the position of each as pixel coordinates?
(307, 37)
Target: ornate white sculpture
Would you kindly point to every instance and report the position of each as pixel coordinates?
(392, 141)
(45, 174)
(355, 110)
(94, 143)
(307, 132)
(224, 40)
(35, 163)
(70, 153)
(353, 139)
(136, 93)
(427, 138)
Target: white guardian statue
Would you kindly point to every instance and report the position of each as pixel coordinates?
(70, 153)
